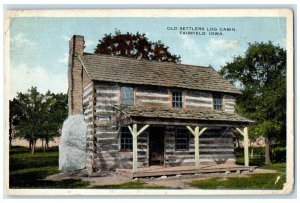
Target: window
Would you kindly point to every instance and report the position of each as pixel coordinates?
(177, 99)
(126, 139)
(181, 139)
(127, 96)
(218, 102)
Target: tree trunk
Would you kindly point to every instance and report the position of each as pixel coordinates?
(10, 140)
(10, 137)
(30, 144)
(44, 145)
(33, 147)
(267, 151)
(47, 143)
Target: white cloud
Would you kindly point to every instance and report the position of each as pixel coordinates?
(189, 43)
(20, 41)
(215, 52)
(22, 78)
(90, 43)
(64, 59)
(66, 38)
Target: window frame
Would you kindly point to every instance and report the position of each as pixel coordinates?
(218, 106)
(122, 99)
(125, 146)
(177, 103)
(185, 135)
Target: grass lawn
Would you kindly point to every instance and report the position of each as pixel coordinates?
(27, 170)
(252, 181)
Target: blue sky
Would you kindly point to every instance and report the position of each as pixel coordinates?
(39, 45)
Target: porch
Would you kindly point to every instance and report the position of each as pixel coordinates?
(155, 171)
(137, 120)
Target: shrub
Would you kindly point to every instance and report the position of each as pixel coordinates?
(278, 153)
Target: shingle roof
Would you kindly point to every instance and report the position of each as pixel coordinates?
(133, 71)
(171, 113)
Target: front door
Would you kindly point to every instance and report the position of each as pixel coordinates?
(156, 145)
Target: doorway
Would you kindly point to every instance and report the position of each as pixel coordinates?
(156, 145)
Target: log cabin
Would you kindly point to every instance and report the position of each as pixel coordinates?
(143, 113)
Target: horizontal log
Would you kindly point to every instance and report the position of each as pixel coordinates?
(106, 95)
(102, 114)
(149, 97)
(158, 101)
(152, 94)
(105, 147)
(142, 140)
(198, 94)
(107, 132)
(101, 90)
(198, 104)
(106, 129)
(104, 111)
(106, 154)
(142, 153)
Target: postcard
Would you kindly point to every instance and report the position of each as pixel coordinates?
(149, 102)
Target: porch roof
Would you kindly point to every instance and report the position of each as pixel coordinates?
(173, 116)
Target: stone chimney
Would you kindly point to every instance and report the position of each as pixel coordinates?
(76, 46)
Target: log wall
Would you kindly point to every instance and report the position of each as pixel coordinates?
(215, 146)
(103, 136)
(198, 99)
(107, 133)
(229, 103)
(88, 98)
(152, 97)
(159, 97)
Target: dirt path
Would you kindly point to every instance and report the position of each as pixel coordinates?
(174, 182)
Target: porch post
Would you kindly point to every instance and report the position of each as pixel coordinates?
(196, 143)
(246, 147)
(246, 144)
(135, 135)
(196, 134)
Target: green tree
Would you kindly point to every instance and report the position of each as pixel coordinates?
(135, 46)
(15, 116)
(54, 113)
(30, 127)
(39, 116)
(261, 74)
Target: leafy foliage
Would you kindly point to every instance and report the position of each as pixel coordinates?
(261, 74)
(36, 116)
(135, 46)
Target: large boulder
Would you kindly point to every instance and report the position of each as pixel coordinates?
(72, 146)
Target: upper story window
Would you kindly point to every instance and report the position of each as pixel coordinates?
(126, 139)
(218, 102)
(127, 96)
(181, 139)
(177, 99)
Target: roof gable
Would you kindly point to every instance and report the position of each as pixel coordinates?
(133, 71)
